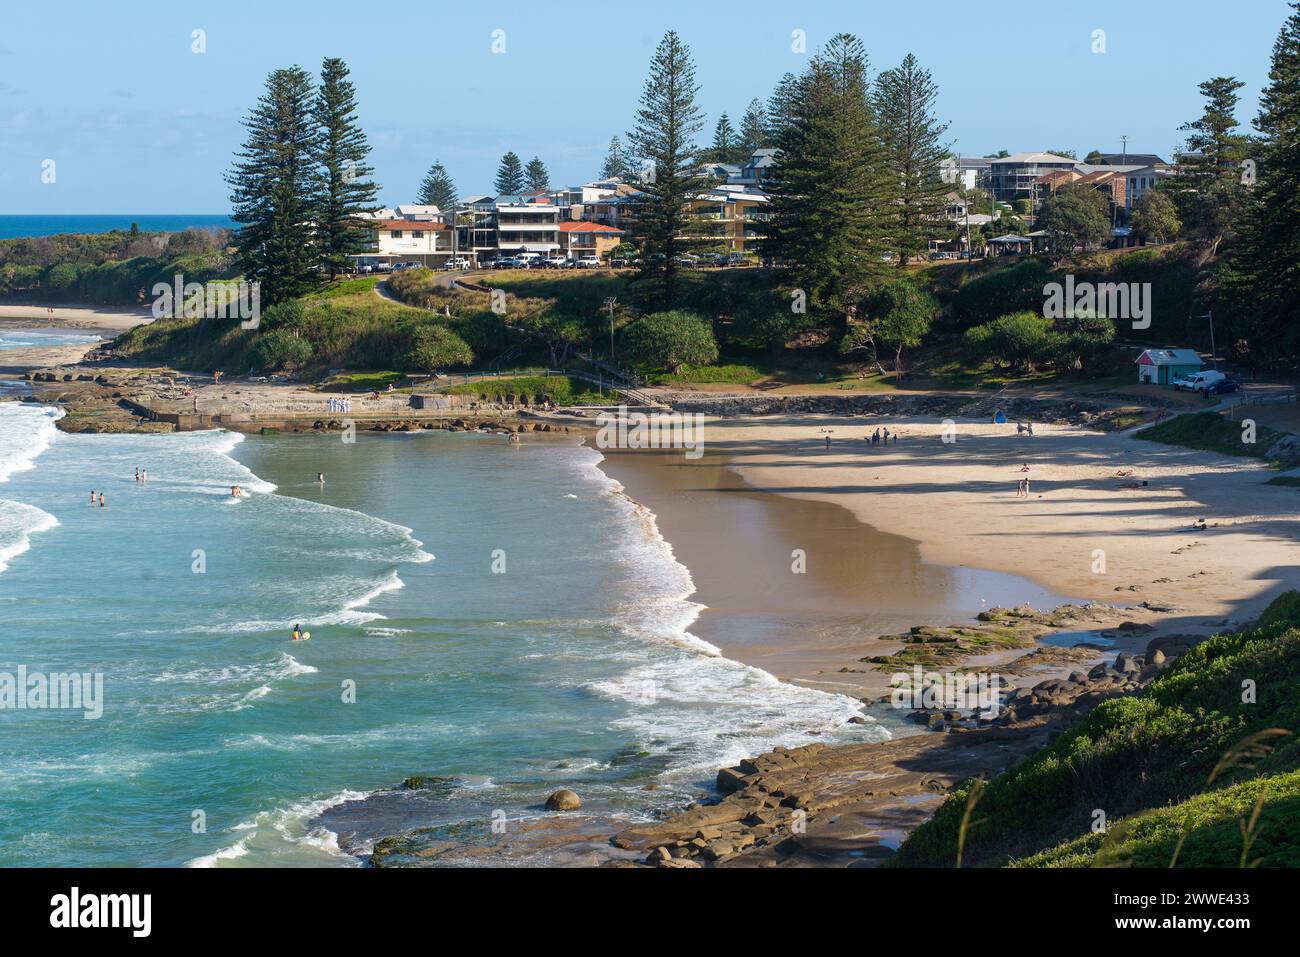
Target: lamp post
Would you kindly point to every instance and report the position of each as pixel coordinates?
(610, 303)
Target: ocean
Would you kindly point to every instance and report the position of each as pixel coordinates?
(503, 619)
(14, 227)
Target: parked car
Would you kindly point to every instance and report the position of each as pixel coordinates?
(1198, 381)
(733, 259)
(587, 262)
(686, 260)
(554, 262)
(459, 263)
(1223, 387)
(508, 262)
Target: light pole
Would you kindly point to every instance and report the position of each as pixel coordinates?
(1214, 357)
(610, 303)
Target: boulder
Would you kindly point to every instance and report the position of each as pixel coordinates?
(563, 800)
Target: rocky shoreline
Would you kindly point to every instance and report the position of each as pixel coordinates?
(839, 805)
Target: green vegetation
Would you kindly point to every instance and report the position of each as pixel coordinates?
(350, 330)
(119, 267)
(1221, 717)
(1211, 432)
(669, 340)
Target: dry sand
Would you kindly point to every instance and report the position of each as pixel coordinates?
(106, 320)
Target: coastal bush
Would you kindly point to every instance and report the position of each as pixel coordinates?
(281, 349)
(1018, 341)
(436, 347)
(1002, 291)
(1203, 831)
(669, 340)
(1189, 731)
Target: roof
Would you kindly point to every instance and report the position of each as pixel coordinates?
(1028, 158)
(583, 226)
(1128, 159)
(417, 209)
(1011, 238)
(1173, 357)
(416, 224)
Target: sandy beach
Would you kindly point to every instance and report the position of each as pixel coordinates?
(105, 320)
(890, 530)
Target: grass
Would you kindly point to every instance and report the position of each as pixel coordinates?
(1211, 432)
(1133, 754)
(1205, 831)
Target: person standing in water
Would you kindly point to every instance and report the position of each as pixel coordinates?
(92, 498)
(297, 632)
(137, 473)
(101, 500)
(320, 477)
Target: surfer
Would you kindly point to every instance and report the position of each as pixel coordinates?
(297, 631)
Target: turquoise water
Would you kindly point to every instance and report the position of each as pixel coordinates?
(28, 339)
(12, 227)
(572, 667)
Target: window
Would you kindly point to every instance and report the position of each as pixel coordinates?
(396, 234)
(417, 234)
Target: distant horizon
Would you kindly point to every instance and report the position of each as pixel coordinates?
(134, 116)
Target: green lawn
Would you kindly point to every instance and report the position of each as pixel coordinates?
(1212, 432)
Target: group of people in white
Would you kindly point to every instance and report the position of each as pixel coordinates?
(340, 405)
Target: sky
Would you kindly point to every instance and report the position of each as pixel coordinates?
(136, 121)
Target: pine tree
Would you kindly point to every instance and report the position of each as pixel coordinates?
(1263, 277)
(536, 175)
(664, 140)
(830, 191)
(782, 106)
(510, 176)
(437, 189)
(271, 188)
(724, 141)
(615, 164)
(913, 139)
(753, 128)
(1208, 190)
(343, 187)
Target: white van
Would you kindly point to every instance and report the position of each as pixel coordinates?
(1199, 381)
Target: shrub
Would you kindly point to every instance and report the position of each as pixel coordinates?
(669, 340)
(279, 349)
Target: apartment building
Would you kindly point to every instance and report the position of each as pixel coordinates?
(581, 238)
(1013, 177)
(397, 240)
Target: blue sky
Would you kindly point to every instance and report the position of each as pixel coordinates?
(137, 123)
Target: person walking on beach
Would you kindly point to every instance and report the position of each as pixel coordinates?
(828, 441)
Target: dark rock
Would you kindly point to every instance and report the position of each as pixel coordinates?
(563, 800)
